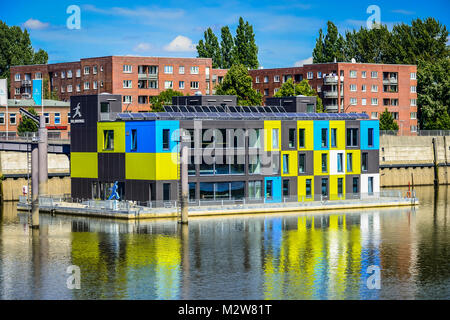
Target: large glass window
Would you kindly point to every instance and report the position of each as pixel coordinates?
(324, 138)
(206, 191)
(238, 166)
(285, 163)
(222, 191)
(301, 138)
(108, 139)
(237, 190)
(254, 165)
(308, 188)
(301, 163)
(166, 139)
(324, 163)
(292, 138)
(352, 137)
(254, 138)
(364, 161)
(349, 162)
(104, 107)
(192, 191)
(191, 166)
(254, 189)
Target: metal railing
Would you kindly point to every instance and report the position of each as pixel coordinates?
(54, 137)
(423, 133)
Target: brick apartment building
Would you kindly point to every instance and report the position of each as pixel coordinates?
(135, 78)
(353, 87)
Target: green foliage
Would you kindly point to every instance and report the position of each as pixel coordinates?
(164, 98)
(26, 124)
(241, 49)
(387, 121)
(239, 83)
(16, 49)
(433, 94)
(52, 95)
(303, 88)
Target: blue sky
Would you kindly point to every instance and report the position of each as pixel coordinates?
(285, 30)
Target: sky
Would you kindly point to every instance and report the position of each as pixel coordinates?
(285, 31)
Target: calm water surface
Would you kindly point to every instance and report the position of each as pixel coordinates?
(292, 256)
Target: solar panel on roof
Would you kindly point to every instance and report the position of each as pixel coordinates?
(190, 109)
(220, 109)
(168, 109)
(137, 116)
(198, 109)
(124, 116)
(246, 109)
(183, 109)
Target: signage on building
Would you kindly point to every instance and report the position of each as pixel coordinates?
(77, 116)
(37, 92)
(3, 92)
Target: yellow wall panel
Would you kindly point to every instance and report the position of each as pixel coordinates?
(308, 125)
(140, 166)
(119, 136)
(166, 166)
(340, 135)
(292, 165)
(356, 161)
(318, 163)
(301, 188)
(84, 165)
(268, 127)
(334, 187)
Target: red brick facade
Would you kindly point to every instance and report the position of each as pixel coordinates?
(344, 88)
(136, 78)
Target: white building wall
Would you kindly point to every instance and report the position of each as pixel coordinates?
(333, 162)
(365, 183)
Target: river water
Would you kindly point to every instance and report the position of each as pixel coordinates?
(331, 255)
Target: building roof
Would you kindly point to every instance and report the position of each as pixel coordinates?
(31, 103)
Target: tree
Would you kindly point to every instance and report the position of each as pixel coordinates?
(26, 124)
(318, 52)
(210, 48)
(303, 88)
(52, 95)
(164, 98)
(433, 81)
(227, 45)
(16, 49)
(245, 50)
(387, 121)
(239, 83)
(330, 47)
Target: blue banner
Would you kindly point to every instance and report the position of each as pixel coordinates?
(37, 92)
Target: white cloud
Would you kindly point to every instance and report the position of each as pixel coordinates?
(34, 24)
(148, 13)
(303, 62)
(180, 44)
(401, 11)
(142, 47)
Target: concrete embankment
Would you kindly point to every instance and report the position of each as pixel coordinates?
(14, 169)
(420, 160)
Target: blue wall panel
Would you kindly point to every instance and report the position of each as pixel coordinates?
(365, 125)
(318, 126)
(145, 136)
(276, 189)
(174, 127)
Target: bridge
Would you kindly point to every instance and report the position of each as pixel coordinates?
(23, 144)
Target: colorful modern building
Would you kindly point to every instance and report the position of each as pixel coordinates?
(353, 87)
(256, 153)
(137, 79)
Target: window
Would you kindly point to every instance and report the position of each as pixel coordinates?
(363, 88)
(413, 76)
(394, 115)
(325, 187)
(101, 68)
(2, 118)
(86, 85)
(57, 118)
(266, 92)
(310, 75)
(349, 162)
(285, 188)
(301, 138)
(364, 161)
(166, 191)
(353, 101)
(370, 137)
(333, 137)
(319, 88)
(374, 74)
(374, 88)
(266, 79)
(181, 70)
(166, 139)
(104, 107)
(413, 128)
(302, 163)
(276, 90)
(194, 70)
(127, 84)
(108, 140)
(319, 74)
(340, 162)
(291, 137)
(324, 137)
(363, 101)
(94, 69)
(353, 87)
(308, 188)
(63, 89)
(69, 88)
(78, 87)
(285, 163)
(17, 77)
(269, 189)
(86, 70)
(168, 84)
(275, 139)
(355, 185)
(63, 74)
(194, 84)
(12, 118)
(340, 186)
(127, 99)
(275, 163)
(374, 115)
(276, 79)
(17, 91)
(352, 137)
(38, 75)
(394, 102)
(142, 99)
(254, 164)
(254, 189)
(413, 115)
(95, 85)
(413, 89)
(353, 73)
(257, 79)
(133, 139)
(127, 68)
(374, 101)
(324, 163)
(168, 69)
(413, 102)
(370, 185)
(363, 74)
(78, 74)
(181, 84)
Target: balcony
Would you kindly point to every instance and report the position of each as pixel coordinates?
(330, 94)
(331, 108)
(332, 79)
(390, 81)
(26, 95)
(26, 83)
(148, 76)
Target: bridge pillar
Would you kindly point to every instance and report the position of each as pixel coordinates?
(43, 158)
(34, 186)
